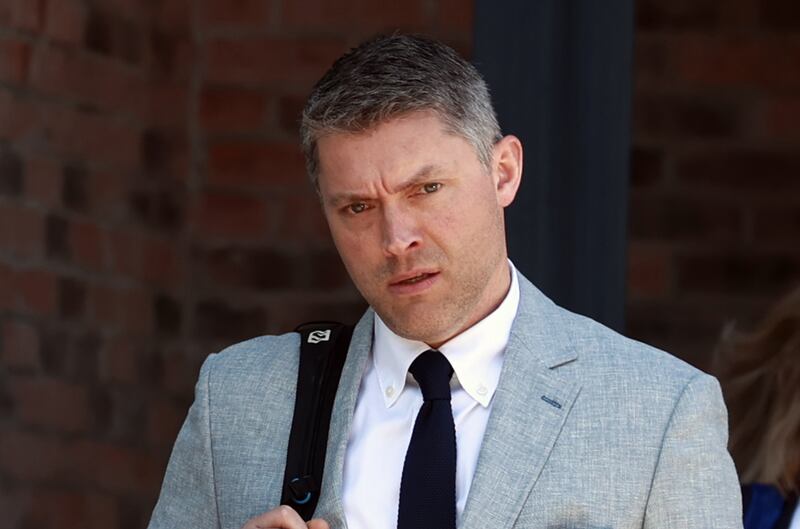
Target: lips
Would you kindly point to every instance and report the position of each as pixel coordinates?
(414, 282)
(411, 277)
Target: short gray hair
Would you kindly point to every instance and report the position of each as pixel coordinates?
(389, 76)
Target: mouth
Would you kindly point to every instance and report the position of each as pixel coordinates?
(413, 282)
(412, 277)
(415, 279)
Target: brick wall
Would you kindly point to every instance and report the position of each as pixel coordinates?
(95, 367)
(715, 207)
(153, 208)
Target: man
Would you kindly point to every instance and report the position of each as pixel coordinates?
(559, 421)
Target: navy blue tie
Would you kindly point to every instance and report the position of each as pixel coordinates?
(428, 485)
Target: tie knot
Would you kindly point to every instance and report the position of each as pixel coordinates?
(432, 372)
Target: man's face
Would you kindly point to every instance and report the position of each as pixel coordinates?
(418, 222)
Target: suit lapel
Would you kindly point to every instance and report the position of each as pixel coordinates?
(529, 408)
(330, 501)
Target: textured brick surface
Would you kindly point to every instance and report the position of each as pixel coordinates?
(14, 60)
(715, 195)
(94, 151)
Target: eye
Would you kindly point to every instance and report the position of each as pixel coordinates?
(431, 187)
(358, 207)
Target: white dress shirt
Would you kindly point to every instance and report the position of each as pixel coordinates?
(389, 399)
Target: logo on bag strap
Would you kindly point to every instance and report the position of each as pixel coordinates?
(319, 336)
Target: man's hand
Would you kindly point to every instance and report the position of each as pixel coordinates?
(283, 517)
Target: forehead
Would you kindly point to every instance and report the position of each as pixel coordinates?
(395, 148)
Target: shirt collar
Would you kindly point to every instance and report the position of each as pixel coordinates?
(476, 354)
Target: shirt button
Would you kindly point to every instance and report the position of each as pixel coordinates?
(389, 391)
(482, 390)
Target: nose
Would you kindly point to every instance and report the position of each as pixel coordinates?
(400, 232)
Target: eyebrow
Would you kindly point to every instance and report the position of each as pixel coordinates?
(421, 176)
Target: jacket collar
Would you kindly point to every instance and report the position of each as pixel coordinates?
(531, 404)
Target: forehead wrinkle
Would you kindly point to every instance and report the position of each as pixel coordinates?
(419, 177)
(423, 174)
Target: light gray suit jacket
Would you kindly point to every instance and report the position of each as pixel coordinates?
(588, 430)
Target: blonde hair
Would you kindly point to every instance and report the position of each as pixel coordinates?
(760, 376)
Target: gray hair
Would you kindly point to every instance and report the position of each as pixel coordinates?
(394, 75)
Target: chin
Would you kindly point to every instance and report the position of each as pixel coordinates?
(428, 334)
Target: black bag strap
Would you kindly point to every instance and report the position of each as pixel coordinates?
(323, 349)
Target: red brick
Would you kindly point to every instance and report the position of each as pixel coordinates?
(119, 362)
(679, 14)
(136, 311)
(160, 263)
(751, 273)
(238, 14)
(15, 503)
(130, 9)
(114, 36)
(126, 252)
(17, 117)
(234, 217)
(31, 457)
(252, 164)
(777, 224)
(168, 104)
(73, 509)
(21, 231)
(165, 153)
(65, 20)
(75, 133)
(649, 271)
(179, 376)
(218, 320)
(173, 15)
(173, 54)
(780, 118)
(779, 14)
(105, 305)
(89, 78)
(51, 404)
(276, 60)
(684, 218)
(20, 345)
(744, 169)
(163, 422)
(682, 117)
(363, 16)
(647, 167)
(301, 218)
(771, 63)
(26, 14)
(87, 241)
(115, 468)
(260, 268)
(102, 511)
(232, 109)
(43, 181)
(108, 190)
(37, 291)
(456, 16)
(14, 60)
(8, 288)
(290, 110)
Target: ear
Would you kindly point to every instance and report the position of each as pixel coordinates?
(507, 168)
